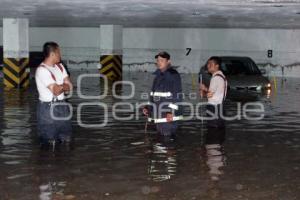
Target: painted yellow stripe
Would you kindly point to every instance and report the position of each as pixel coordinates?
(110, 74)
(118, 70)
(104, 68)
(26, 83)
(8, 84)
(117, 61)
(24, 64)
(23, 76)
(106, 59)
(11, 75)
(111, 65)
(12, 65)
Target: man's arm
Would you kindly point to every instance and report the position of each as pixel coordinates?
(147, 110)
(67, 85)
(176, 98)
(59, 89)
(177, 89)
(203, 90)
(56, 89)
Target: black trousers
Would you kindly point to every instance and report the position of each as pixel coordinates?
(216, 129)
(216, 113)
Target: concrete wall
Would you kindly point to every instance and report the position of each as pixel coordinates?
(81, 46)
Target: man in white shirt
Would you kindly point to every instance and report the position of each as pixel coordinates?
(216, 94)
(52, 83)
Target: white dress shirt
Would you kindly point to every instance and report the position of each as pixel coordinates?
(219, 88)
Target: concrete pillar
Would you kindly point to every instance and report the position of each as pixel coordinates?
(16, 52)
(111, 50)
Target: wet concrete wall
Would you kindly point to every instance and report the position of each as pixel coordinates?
(189, 48)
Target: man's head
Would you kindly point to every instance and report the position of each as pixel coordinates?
(213, 64)
(51, 52)
(163, 60)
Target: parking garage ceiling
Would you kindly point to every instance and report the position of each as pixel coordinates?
(156, 13)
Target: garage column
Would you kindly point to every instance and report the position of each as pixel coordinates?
(15, 52)
(111, 51)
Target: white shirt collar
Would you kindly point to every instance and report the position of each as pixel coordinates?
(218, 72)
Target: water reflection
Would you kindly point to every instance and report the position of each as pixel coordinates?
(162, 159)
(15, 128)
(53, 185)
(52, 190)
(16, 115)
(215, 159)
(112, 161)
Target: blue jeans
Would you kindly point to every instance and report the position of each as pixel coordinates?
(167, 129)
(53, 129)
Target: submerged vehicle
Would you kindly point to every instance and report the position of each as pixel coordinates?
(241, 72)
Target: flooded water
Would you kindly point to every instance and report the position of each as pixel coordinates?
(259, 159)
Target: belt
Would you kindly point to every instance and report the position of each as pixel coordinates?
(162, 120)
(56, 101)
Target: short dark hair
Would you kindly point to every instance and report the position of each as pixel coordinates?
(217, 60)
(163, 54)
(49, 47)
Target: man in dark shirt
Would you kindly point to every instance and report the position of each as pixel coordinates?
(165, 96)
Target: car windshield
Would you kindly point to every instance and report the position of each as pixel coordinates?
(239, 67)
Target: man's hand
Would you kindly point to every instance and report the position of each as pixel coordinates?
(169, 117)
(66, 87)
(210, 94)
(145, 111)
(203, 87)
(202, 90)
(56, 89)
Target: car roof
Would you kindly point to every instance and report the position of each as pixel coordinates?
(234, 58)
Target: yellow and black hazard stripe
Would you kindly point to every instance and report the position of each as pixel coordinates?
(111, 67)
(15, 74)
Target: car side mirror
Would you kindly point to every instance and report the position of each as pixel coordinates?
(263, 71)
